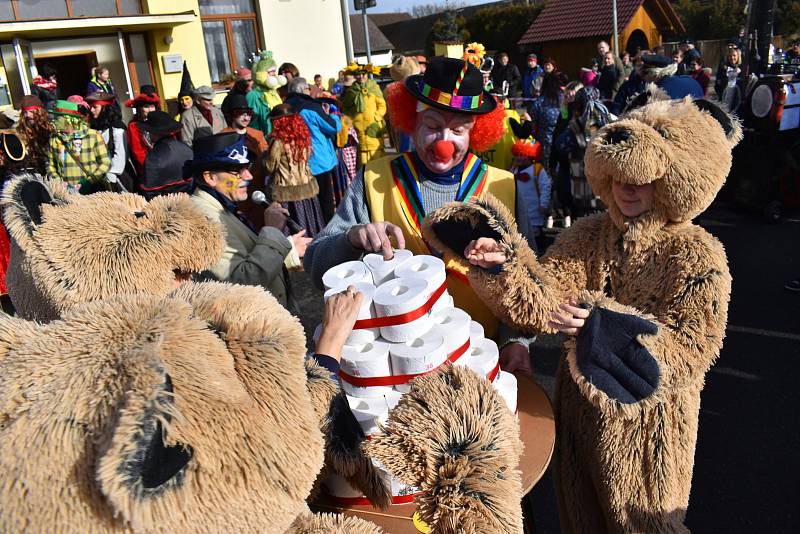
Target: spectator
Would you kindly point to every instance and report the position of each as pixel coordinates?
(627, 65)
(83, 106)
(549, 65)
(36, 129)
(244, 80)
(603, 49)
(689, 53)
(545, 113)
(45, 86)
(221, 173)
(202, 119)
(317, 89)
(588, 77)
(363, 102)
(138, 140)
(338, 86)
(423, 64)
(323, 128)
(630, 88)
(661, 71)
(698, 72)
(165, 165)
(291, 181)
(505, 72)
(185, 93)
(290, 72)
(238, 116)
(658, 50)
(608, 78)
(677, 58)
(105, 117)
(77, 154)
(100, 82)
(793, 52)
(534, 186)
(532, 73)
(729, 69)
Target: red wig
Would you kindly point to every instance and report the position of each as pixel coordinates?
(292, 131)
(527, 149)
(486, 132)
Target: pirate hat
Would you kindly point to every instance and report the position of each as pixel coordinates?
(147, 95)
(453, 85)
(100, 97)
(160, 122)
(222, 151)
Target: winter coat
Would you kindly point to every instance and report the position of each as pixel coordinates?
(194, 124)
(116, 143)
(290, 180)
(323, 128)
(508, 73)
(529, 78)
(535, 193)
(608, 82)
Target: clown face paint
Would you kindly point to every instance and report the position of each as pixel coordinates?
(231, 185)
(442, 138)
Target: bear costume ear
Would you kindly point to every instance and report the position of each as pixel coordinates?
(729, 123)
(138, 461)
(22, 201)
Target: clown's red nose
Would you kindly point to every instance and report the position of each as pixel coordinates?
(444, 150)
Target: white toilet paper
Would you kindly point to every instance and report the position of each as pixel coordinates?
(373, 410)
(363, 361)
(506, 386)
(482, 358)
(361, 335)
(427, 267)
(399, 296)
(444, 302)
(454, 325)
(383, 270)
(420, 355)
(475, 332)
(344, 274)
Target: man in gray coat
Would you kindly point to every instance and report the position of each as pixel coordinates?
(202, 119)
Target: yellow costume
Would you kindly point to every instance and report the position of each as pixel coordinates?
(364, 103)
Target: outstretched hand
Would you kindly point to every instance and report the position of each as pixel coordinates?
(485, 252)
(341, 312)
(375, 237)
(570, 318)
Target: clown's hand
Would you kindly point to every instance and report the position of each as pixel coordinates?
(375, 237)
(610, 356)
(485, 252)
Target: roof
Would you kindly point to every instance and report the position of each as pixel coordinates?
(382, 19)
(378, 42)
(572, 19)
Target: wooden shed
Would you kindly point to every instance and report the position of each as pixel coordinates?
(568, 30)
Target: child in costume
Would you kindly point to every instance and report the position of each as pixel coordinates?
(363, 102)
(642, 295)
(533, 185)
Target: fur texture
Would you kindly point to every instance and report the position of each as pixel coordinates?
(89, 247)
(332, 524)
(466, 466)
(624, 467)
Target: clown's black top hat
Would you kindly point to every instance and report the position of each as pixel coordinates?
(453, 85)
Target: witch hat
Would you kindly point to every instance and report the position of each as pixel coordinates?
(187, 87)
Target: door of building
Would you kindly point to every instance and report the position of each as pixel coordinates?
(74, 70)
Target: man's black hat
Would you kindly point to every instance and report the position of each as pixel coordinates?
(234, 101)
(160, 122)
(222, 151)
(656, 60)
(453, 85)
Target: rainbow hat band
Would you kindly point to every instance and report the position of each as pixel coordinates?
(453, 85)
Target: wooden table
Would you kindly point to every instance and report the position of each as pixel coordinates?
(537, 431)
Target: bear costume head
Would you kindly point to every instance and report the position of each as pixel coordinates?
(682, 146)
(67, 249)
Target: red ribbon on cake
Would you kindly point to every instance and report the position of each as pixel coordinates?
(403, 318)
(363, 501)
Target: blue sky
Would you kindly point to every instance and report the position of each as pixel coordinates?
(391, 6)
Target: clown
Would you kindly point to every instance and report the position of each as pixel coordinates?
(363, 102)
(264, 95)
(448, 114)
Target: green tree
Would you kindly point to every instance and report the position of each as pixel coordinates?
(787, 19)
(500, 27)
(711, 20)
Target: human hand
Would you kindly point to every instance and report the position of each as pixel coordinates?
(516, 358)
(375, 237)
(570, 319)
(341, 311)
(300, 242)
(276, 215)
(485, 252)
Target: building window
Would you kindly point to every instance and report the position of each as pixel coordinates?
(61, 9)
(230, 31)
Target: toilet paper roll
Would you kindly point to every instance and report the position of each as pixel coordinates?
(368, 360)
(400, 296)
(506, 386)
(367, 311)
(475, 332)
(444, 302)
(453, 325)
(418, 356)
(344, 274)
(383, 270)
(373, 410)
(429, 268)
(483, 358)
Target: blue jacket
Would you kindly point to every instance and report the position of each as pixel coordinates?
(323, 127)
(535, 194)
(528, 78)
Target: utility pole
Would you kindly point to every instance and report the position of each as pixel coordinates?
(348, 34)
(363, 5)
(616, 37)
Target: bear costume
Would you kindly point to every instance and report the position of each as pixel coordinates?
(628, 392)
(135, 406)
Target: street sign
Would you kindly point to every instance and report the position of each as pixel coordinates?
(361, 4)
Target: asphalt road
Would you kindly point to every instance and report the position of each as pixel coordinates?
(747, 461)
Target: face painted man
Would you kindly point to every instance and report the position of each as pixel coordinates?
(449, 115)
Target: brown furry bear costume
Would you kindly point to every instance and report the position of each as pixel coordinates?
(138, 407)
(628, 392)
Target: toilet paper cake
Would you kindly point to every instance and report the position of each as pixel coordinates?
(407, 327)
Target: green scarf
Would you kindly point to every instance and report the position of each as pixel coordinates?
(356, 95)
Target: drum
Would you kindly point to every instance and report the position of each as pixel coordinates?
(773, 105)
